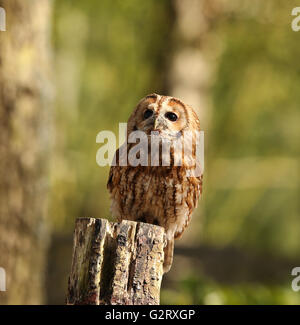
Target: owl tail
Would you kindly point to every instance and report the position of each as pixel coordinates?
(168, 251)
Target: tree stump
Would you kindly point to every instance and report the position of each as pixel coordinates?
(116, 263)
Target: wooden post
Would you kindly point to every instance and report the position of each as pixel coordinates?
(116, 263)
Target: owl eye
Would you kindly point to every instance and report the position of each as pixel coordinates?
(148, 113)
(171, 116)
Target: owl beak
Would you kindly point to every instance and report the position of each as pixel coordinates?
(157, 124)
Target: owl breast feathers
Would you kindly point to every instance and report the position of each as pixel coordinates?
(161, 194)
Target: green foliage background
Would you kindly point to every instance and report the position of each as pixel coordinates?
(109, 54)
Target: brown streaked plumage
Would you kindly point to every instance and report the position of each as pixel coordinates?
(161, 195)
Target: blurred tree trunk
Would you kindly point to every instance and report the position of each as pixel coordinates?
(25, 97)
(195, 54)
(193, 65)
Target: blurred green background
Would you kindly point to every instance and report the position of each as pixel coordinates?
(237, 63)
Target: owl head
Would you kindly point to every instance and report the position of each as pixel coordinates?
(166, 115)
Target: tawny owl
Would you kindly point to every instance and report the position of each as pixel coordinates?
(158, 193)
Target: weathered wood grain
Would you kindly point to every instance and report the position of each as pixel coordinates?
(116, 263)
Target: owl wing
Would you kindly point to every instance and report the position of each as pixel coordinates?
(112, 172)
(168, 255)
(109, 184)
(114, 169)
